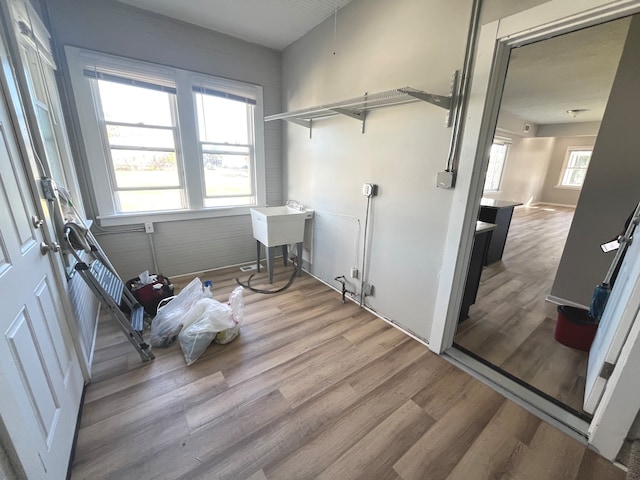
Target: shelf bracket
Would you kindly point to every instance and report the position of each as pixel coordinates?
(448, 103)
(357, 114)
(301, 122)
(437, 100)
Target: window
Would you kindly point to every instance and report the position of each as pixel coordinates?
(575, 168)
(38, 65)
(225, 134)
(139, 125)
(165, 141)
(497, 158)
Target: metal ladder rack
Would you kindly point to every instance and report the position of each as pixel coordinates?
(105, 283)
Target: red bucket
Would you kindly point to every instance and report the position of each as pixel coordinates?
(575, 328)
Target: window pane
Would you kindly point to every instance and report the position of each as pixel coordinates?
(575, 177)
(579, 159)
(222, 120)
(131, 104)
(140, 137)
(140, 201)
(226, 175)
(575, 170)
(50, 144)
(139, 168)
(495, 168)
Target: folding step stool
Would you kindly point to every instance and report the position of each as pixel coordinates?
(105, 283)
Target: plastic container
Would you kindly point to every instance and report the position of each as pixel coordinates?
(207, 289)
(575, 328)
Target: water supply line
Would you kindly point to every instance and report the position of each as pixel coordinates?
(343, 282)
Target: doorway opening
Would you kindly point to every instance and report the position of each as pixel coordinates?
(554, 97)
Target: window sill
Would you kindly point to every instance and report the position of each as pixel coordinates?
(172, 216)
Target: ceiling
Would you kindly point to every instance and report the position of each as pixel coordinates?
(272, 23)
(569, 72)
(544, 80)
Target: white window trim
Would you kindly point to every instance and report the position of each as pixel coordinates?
(94, 142)
(567, 155)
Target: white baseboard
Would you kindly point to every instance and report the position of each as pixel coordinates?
(553, 204)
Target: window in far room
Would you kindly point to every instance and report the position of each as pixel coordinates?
(497, 158)
(575, 167)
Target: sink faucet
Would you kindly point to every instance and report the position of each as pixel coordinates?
(295, 204)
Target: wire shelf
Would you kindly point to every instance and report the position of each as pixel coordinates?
(358, 106)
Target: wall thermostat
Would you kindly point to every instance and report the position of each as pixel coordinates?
(370, 189)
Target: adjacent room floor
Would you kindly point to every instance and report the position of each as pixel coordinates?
(511, 325)
(312, 388)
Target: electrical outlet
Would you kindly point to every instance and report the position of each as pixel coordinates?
(354, 272)
(148, 227)
(367, 289)
(370, 189)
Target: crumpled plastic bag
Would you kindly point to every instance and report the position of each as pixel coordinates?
(169, 321)
(208, 320)
(236, 308)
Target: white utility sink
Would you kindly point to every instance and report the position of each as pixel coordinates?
(274, 226)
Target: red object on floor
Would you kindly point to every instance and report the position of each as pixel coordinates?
(575, 328)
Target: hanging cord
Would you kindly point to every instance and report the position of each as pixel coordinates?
(335, 28)
(258, 290)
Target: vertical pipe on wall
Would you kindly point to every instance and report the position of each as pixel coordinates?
(459, 108)
(364, 252)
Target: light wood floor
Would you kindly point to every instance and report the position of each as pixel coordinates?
(511, 325)
(312, 388)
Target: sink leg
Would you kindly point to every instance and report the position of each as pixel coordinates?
(299, 245)
(270, 257)
(285, 255)
(258, 254)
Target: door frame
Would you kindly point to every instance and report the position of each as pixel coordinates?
(611, 422)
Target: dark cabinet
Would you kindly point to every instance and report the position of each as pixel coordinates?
(481, 241)
(499, 213)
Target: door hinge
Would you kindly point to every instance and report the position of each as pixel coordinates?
(607, 370)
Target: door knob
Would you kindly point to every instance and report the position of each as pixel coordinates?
(49, 247)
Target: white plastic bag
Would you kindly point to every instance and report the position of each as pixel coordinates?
(195, 339)
(236, 308)
(205, 319)
(169, 321)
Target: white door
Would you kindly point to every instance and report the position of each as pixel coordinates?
(40, 377)
(618, 317)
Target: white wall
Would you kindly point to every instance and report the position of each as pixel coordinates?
(112, 27)
(551, 193)
(610, 190)
(379, 45)
(525, 170)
